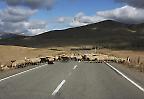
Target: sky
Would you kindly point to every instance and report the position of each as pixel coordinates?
(33, 17)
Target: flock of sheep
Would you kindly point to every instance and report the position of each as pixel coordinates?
(98, 58)
(14, 64)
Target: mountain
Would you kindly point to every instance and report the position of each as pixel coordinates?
(108, 34)
(8, 35)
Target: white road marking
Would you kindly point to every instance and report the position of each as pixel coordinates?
(75, 67)
(127, 78)
(21, 73)
(58, 88)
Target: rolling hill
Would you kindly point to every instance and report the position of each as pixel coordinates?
(9, 35)
(107, 34)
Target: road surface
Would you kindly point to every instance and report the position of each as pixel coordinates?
(72, 80)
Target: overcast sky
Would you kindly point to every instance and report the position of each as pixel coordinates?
(32, 17)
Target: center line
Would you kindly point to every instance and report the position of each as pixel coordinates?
(58, 88)
(75, 67)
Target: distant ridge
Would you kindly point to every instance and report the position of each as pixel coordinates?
(9, 35)
(109, 34)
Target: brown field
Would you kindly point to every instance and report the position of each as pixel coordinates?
(134, 55)
(8, 53)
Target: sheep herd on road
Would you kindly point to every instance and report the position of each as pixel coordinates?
(97, 58)
(14, 64)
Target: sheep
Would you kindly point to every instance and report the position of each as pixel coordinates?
(64, 57)
(8, 64)
(34, 61)
(121, 60)
(50, 60)
(111, 59)
(92, 58)
(73, 57)
(85, 57)
(19, 64)
(3, 67)
(52, 57)
(43, 59)
(79, 58)
(99, 59)
(56, 58)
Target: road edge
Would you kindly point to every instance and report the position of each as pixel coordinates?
(124, 76)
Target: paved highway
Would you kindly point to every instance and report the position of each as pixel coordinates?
(72, 80)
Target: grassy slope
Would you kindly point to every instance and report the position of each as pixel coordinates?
(109, 34)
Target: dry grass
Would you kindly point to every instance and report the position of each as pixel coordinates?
(136, 57)
(8, 53)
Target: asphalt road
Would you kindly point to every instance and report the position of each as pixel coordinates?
(72, 80)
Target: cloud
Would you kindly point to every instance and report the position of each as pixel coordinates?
(36, 24)
(132, 13)
(81, 19)
(62, 19)
(33, 4)
(126, 14)
(15, 14)
(36, 27)
(12, 19)
(8, 27)
(134, 3)
(16, 20)
(16, 17)
(26, 28)
(77, 24)
(37, 31)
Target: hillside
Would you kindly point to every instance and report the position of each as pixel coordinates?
(108, 34)
(9, 35)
